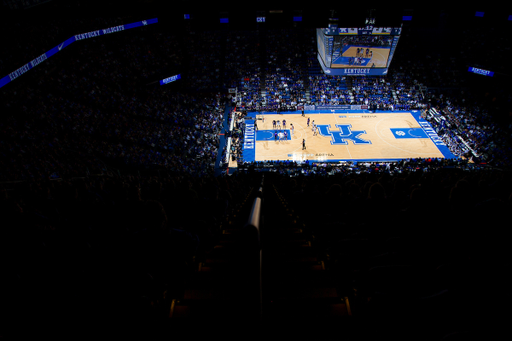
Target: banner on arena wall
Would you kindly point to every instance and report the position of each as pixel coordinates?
(481, 71)
(38, 60)
(170, 79)
(249, 141)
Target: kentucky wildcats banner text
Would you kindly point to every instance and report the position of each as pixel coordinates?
(18, 72)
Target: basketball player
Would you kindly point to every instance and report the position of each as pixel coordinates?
(308, 121)
(284, 124)
(303, 144)
(292, 128)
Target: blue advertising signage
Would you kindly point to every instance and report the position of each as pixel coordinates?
(481, 71)
(170, 79)
(38, 60)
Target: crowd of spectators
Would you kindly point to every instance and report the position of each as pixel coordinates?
(409, 243)
(468, 128)
(394, 92)
(306, 167)
(236, 138)
(205, 53)
(242, 66)
(96, 102)
(99, 91)
(470, 132)
(284, 70)
(289, 84)
(130, 241)
(113, 247)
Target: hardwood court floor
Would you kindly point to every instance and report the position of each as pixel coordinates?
(379, 58)
(377, 129)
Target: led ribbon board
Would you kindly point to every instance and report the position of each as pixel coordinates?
(38, 60)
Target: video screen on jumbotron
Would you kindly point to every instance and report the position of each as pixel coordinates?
(357, 51)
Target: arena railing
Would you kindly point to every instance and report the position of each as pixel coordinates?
(253, 226)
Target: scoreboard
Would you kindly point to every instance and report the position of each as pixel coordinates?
(363, 51)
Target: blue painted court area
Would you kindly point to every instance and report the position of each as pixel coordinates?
(266, 135)
(409, 133)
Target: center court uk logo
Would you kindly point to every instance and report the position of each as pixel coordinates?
(400, 133)
(344, 134)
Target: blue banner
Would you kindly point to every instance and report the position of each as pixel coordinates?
(481, 71)
(170, 79)
(38, 60)
(249, 141)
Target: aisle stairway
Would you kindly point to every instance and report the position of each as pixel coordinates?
(295, 280)
(225, 283)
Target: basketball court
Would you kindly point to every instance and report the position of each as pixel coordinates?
(379, 58)
(342, 136)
